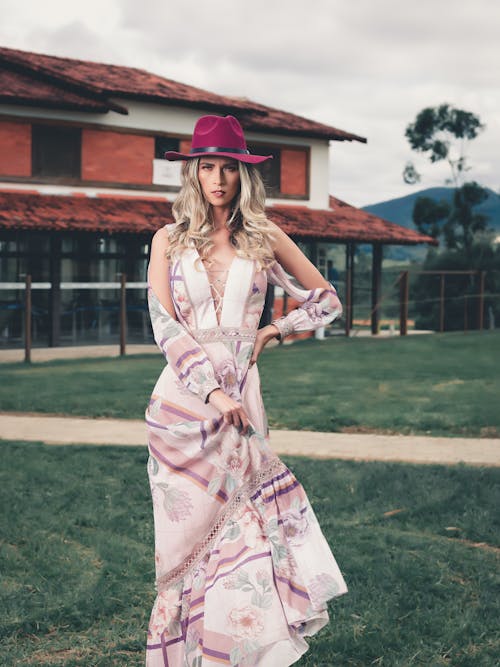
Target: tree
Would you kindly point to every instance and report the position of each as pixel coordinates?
(463, 217)
(429, 215)
(442, 133)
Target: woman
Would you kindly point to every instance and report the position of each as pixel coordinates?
(243, 571)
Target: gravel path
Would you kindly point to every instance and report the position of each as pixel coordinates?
(73, 352)
(55, 430)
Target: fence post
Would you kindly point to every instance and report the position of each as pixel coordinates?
(348, 305)
(403, 303)
(27, 319)
(480, 314)
(123, 313)
(285, 308)
(377, 255)
(349, 281)
(441, 303)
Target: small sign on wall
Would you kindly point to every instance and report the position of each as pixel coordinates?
(167, 173)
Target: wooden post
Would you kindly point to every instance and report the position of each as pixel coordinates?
(403, 303)
(55, 290)
(349, 281)
(376, 280)
(480, 313)
(123, 313)
(351, 311)
(465, 314)
(441, 303)
(27, 320)
(347, 294)
(284, 312)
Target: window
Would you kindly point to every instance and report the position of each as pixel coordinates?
(270, 170)
(56, 151)
(165, 173)
(164, 144)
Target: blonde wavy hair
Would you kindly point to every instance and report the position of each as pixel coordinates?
(251, 231)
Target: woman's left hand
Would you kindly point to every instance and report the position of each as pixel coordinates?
(264, 335)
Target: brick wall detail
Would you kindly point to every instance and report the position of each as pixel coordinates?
(294, 171)
(15, 156)
(117, 157)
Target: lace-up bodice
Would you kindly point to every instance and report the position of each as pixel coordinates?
(217, 278)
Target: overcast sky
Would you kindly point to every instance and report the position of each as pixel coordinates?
(365, 66)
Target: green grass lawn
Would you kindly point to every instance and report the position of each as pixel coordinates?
(440, 384)
(418, 547)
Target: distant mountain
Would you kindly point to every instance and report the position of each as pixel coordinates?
(400, 211)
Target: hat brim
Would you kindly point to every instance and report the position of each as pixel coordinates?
(241, 157)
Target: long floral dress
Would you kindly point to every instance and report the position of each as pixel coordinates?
(243, 571)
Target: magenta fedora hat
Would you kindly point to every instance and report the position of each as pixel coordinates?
(218, 136)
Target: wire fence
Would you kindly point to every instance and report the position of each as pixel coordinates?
(111, 312)
(428, 300)
(85, 313)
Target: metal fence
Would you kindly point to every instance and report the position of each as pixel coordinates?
(103, 312)
(439, 301)
(108, 312)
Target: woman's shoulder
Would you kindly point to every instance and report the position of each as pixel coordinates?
(279, 238)
(167, 229)
(162, 234)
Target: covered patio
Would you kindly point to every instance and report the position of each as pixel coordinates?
(65, 240)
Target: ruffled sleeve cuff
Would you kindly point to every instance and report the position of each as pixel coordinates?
(284, 326)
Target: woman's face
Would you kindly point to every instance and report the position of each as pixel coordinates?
(219, 179)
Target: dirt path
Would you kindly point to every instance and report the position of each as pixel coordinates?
(358, 446)
(80, 352)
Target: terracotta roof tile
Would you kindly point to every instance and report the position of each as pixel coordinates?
(343, 223)
(108, 214)
(104, 80)
(87, 214)
(282, 122)
(18, 87)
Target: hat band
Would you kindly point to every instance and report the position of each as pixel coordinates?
(218, 149)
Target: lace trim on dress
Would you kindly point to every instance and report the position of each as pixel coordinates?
(239, 498)
(223, 333)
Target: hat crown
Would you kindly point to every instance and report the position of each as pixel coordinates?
(218, 136)
(218, 131)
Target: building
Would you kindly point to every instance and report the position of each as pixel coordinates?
(83, 186)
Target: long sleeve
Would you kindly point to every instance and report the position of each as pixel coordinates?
(318, 306)
(185, 356)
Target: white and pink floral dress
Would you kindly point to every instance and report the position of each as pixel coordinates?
(243, 571)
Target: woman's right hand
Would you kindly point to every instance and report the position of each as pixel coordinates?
(233, 411)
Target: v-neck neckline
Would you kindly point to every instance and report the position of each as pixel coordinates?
(218, 323)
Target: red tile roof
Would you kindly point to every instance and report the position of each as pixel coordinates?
(20, 210)
(99, 81)
(85, 214)
(343, 223)
(355, 217)
(18, 87)
(273, 120)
